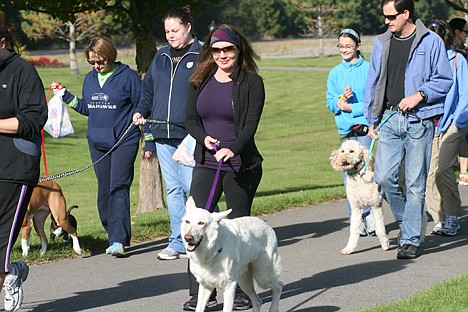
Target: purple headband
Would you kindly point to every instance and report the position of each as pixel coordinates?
(224, 34)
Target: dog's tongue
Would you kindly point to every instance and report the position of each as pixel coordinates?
(191, 247)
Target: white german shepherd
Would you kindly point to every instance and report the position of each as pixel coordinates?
(226, 252)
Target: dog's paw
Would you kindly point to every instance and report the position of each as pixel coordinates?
(78, 250)
(347, 250)
(385, 243)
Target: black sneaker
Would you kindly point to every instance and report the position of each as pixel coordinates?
(242, 302)
(191, 305)
(408, 251)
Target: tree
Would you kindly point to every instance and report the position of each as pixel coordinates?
(315, 13)
(142, 13)
(458, 5)
(40, 25)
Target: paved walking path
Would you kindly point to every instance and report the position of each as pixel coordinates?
(316, 277)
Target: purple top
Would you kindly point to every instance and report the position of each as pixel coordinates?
(215, 108)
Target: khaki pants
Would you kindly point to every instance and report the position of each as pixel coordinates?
(442, 196)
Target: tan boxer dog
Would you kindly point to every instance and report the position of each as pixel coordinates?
(46, 198)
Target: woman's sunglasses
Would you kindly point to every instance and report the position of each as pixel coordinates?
(230, 50)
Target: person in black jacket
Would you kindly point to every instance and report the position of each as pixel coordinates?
(223, 114)
(23, 113)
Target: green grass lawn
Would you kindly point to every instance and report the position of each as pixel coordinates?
(295, 136)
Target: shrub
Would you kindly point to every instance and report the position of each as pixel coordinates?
(44, 61)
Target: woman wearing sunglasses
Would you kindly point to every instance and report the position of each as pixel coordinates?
(111, 91)
(223, 115)
(346, 86)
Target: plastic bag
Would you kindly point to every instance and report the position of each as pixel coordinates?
(58, 123)
(184, 153)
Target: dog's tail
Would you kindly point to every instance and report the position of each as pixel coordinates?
(71, 208)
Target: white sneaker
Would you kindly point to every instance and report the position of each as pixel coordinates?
(438, 226)
(171, 254)
(12, 286)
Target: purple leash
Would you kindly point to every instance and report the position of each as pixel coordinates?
(213, 187)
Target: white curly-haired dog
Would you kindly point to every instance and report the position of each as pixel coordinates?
(361, 190)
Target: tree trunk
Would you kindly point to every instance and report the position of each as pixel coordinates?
(72, 50)
(151, 190)
(320, 34)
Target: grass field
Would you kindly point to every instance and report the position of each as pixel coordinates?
(295, 136)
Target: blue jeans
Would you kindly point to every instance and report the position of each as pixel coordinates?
(411, 142)
(178, 179)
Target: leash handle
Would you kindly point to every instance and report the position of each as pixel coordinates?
(215, 182)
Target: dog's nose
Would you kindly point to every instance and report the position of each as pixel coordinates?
(188, 237)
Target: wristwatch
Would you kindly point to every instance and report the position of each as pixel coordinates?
(424, 95)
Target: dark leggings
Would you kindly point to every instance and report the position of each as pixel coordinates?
(14, 200)
(239, 190)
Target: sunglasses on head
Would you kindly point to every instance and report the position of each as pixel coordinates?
(99, 62)
(226, 50)
(392, 17)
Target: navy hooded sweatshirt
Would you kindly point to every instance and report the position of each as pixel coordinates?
(110, 108)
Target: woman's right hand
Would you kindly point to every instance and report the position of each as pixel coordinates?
(138, 119)
(56, 86)
(209, 142)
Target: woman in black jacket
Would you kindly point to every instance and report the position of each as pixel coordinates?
(223, 115)
(23, 113)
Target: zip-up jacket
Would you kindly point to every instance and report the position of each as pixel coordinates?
(341, 76)
(456, 101)
(21, 96)
(165, 92)
(427, 70)
(110, 108)
(248, 98)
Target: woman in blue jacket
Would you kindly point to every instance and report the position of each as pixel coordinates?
(111, 92)
(442, 195)
(164, 97)
(345, 98)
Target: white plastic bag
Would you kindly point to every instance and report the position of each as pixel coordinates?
(58, 123)
(184, 153)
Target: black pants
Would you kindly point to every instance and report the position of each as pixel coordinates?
(14, 200)
(239, 190)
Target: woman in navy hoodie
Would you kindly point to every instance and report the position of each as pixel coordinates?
(110, 93)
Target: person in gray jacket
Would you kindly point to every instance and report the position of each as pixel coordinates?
(409, 77)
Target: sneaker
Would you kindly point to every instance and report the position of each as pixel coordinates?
(13, 286)
(116, 250)
(463, 179)
(437, 230)
(171, 254)
(242, 302)
(109, 250)
(191, 305)
(451, 226)
(408, 251)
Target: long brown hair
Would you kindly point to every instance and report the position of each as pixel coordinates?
(7, 31)
(206, 64)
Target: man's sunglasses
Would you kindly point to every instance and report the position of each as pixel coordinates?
(392, 17)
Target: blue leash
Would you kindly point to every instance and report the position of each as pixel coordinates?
(371, 148)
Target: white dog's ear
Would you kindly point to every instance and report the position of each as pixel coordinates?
(336, 165)
(190, 204)
(218, 216)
